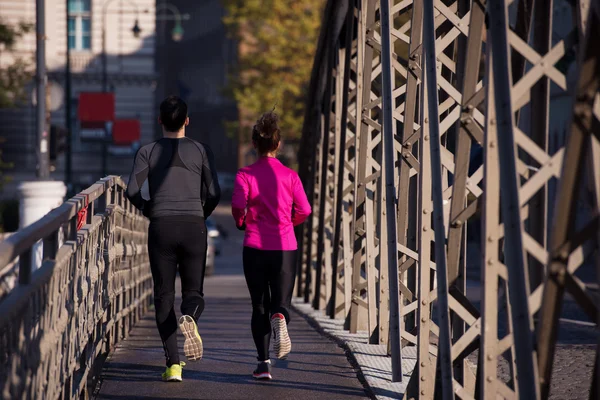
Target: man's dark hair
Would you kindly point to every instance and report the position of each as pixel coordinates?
(173, 113)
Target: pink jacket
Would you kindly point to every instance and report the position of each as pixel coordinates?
(264, 195)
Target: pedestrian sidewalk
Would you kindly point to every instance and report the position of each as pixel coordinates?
(316, 368)
(371, 360)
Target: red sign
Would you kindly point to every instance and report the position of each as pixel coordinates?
(126, 131)
(96, 107)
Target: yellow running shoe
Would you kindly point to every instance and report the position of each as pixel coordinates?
(192, 347)
(173, 373)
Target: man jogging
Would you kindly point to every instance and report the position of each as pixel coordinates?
(184, 191)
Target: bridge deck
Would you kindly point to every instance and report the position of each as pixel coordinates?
(317, 367)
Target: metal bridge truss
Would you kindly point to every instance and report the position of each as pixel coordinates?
(401, 92)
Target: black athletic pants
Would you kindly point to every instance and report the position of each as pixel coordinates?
(176, 241)
(270, 276)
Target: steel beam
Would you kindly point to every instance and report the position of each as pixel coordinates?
(352, 188)
(409, 140)
(324, 154)
(539, 119)
(431, 137)
(390, 192)
(559, 277)
(337, 289)
(509, 185)
(356, 319)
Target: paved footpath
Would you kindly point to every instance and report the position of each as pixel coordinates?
(316, 369)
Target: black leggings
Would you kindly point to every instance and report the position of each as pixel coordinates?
(176, 241)
(270, 276)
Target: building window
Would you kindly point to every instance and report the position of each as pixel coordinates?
(80, 24)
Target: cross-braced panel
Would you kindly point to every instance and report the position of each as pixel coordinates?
(341, 255)
(580, 170)
(466, 154)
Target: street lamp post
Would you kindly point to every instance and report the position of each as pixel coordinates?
(43, 167)
(136, 32)
(161, 49)
(69, 149)
(177, 32)
(38, 197)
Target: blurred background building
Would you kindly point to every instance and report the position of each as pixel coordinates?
(196, 69)
(153, 48)
(130, 75)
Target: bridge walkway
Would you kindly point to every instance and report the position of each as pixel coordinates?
(316, 369)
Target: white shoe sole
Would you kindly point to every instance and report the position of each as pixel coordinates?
(264, 375)
(282, 343)
(192, 347)
(173, 379)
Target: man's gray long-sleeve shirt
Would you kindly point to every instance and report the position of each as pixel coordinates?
(182, 179)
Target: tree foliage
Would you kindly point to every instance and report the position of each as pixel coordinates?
(277, 41)
(13, 78)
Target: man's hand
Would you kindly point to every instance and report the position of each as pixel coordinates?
(146, 210)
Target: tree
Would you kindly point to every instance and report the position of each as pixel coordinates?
(277, 41)
(13, 77)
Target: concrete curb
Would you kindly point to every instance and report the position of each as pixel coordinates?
(371, 360)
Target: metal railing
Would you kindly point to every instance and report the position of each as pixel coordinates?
(402, 93)
(60, 321)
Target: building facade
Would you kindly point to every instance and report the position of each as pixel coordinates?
(196, 69)
(130, 71)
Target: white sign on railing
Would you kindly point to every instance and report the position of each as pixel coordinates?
(95, 134)
(121, 151)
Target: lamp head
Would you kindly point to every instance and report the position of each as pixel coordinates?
(177, 32)
(136, 29)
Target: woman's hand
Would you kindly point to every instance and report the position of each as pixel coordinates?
(243, 226)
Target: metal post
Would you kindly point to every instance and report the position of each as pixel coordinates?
(351, 184)
(68, 150)
(313, 191)
(356, 322)
(323, 180)
(104, 57)
(105, 153)
(104, 88)
(331, 177)
(487, 370)
(390, 190)
(564, 228)
(161, 63)
(342, 156)
(515, 260)
(432, 128)
(467, 127)
(43, 167)
(539, 110)
(407, 186)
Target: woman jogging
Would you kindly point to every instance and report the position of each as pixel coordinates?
(268, 201)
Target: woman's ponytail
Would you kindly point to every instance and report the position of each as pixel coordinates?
(266, 133)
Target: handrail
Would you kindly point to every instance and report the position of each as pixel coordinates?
(22, 240)
(46, 320)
